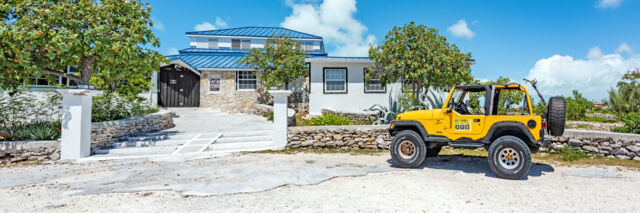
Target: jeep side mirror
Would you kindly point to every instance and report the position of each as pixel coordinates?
(448, 111)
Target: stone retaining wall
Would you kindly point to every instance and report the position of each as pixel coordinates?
(102, 134)
(605, 144)
(360, 118)
(339, 137)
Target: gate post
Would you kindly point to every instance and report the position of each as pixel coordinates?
(280, 117)
(76, 123)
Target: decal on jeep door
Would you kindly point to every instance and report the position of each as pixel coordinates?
(463, 125)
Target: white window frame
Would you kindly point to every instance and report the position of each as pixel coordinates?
(211, 77)
(366, 87)
(345, 81)
(238, 81)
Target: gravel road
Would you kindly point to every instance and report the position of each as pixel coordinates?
(312, 183)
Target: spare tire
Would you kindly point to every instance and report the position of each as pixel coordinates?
(556, 116)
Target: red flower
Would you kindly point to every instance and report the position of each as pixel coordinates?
(16, 60)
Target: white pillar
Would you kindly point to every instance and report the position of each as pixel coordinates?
(76, 123)
(280, 117)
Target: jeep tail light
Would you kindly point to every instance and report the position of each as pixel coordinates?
(544, 124)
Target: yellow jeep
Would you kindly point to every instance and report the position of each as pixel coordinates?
(475, 116)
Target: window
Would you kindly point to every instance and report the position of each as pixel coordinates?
(335, 80)
(373, 85)
(246, 44)
(58, 81)
(240, 44)
(246, 80)
(214, 83)
(306, 45)
(213, 43)
(235, 43)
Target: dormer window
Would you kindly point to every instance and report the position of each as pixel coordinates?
(240, 44)
(213, 43)
(307, 45)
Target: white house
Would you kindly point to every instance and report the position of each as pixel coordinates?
(207, 74)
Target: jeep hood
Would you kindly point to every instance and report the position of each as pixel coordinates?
(418, 114)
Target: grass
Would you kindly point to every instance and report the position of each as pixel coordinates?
(324, 151)
(563, 157)
(599, 119)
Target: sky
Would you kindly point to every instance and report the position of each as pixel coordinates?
(564, 44)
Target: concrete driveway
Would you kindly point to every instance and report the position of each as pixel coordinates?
(198, 132)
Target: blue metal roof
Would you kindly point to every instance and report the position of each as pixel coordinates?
(233, 51)
(256, 32)
(212, 61)
(337, 57)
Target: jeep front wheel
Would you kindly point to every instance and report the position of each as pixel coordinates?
(509, 158)
(407, 149)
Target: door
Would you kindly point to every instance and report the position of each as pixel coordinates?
(467, 120)
(179, 87)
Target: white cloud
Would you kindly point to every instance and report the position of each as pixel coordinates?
(220, 23)
(334, 21)
(609, 4)
(593, 77)
(204, 26)
(157, 24)
(624, 47)
(172, 51)
(461, 29)
(594, 53)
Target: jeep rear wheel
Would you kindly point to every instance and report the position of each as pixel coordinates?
(509, 157)
(556, 116)
(407, 149)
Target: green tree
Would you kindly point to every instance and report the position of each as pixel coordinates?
(507, 98)
(422, 58)
(109, 42)
(281, 61)
(626, 98)
(577, 106)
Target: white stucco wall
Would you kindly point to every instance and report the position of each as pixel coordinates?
(355, 100)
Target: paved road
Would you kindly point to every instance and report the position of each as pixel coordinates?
(313, 182)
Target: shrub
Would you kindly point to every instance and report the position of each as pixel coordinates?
(598, 119)
(577, 106)
(329, 119)
(631, 123)
(110, 107)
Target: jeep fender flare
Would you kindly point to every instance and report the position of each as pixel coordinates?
(410, 125)
(514, 128)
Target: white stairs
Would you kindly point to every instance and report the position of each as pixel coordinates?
(158, 144)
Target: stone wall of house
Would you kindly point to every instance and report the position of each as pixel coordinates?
(362, 117)
(339, 137)
(228, 99)
(605, 144)
(102, 134)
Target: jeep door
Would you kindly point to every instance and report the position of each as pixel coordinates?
(466, 115)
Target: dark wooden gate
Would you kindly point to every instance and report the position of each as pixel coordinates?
(179, 87)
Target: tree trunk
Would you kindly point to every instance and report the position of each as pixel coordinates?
(86, 63)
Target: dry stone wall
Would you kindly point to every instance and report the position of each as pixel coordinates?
(339, 137)
(361, 118)
(605, 144)
(102, 134)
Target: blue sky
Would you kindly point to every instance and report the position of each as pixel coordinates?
(565, 45)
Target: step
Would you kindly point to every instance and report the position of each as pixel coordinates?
(128, 144)
(217, 147)
(466, 145)
(137, 150)
(227, 139)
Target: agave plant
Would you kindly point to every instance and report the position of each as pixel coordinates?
(433, 99)
(387, 114)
